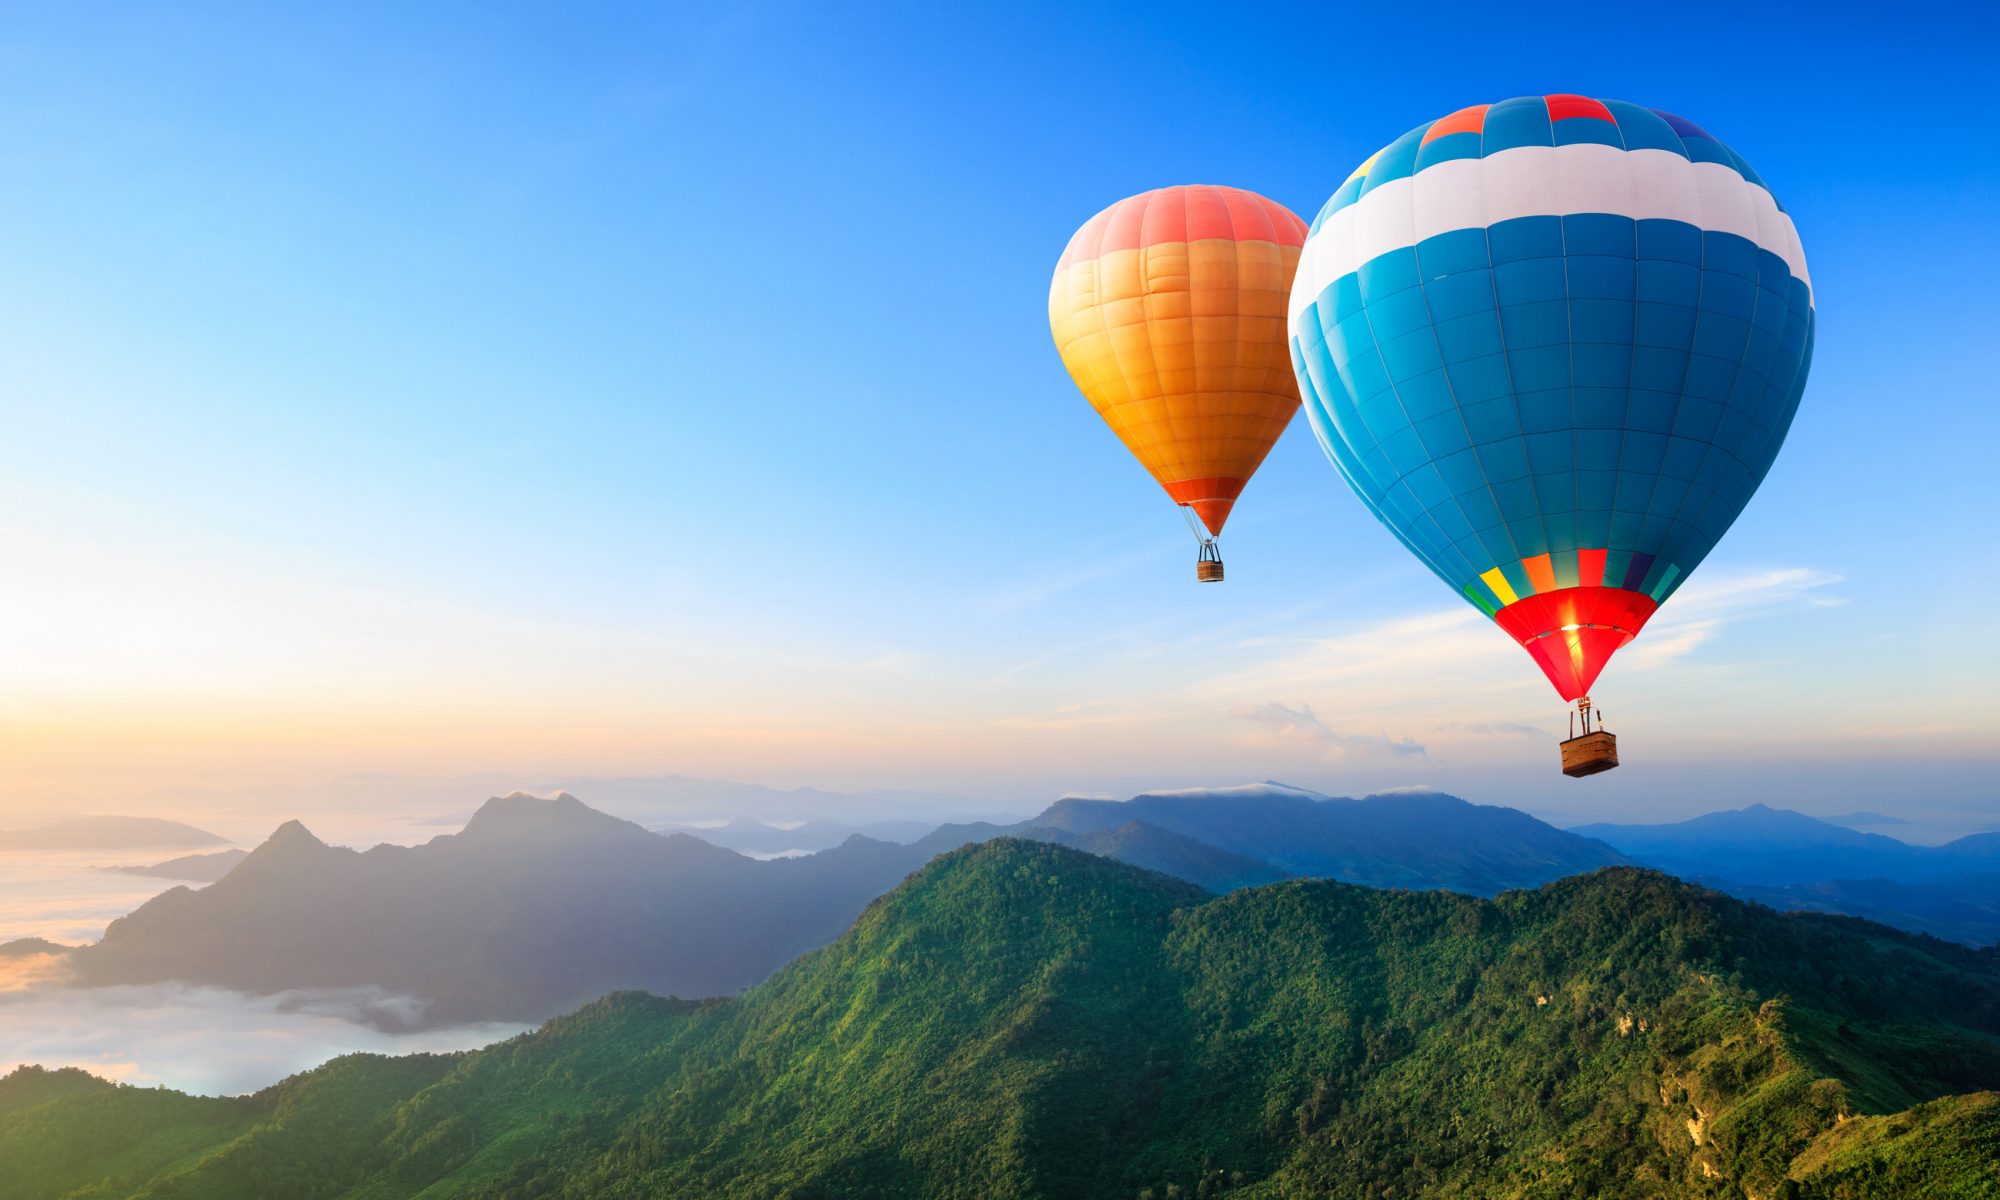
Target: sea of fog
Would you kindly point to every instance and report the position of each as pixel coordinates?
(196, 1039)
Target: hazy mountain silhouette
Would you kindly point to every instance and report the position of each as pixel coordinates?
(202, 868)
(1758, 844)
(1023, 1020)
(747, 835)
(1789, 860)
(108, 833)
(537, 905)
(1958, 908)
(1402, 839)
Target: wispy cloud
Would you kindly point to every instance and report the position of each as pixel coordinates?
(25, 972)
(1705, 606)
(1301, 724)
(1496, 728)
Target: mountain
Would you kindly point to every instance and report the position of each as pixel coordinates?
(1022, 1020)
(108, 833)
(1774, 846)
(1156, 849)
(747, 836)
(539, 905)
(202, 868)
(1865, 820)
(1958, 908)
(1403, 839)
(534, 907)
(1790, 860)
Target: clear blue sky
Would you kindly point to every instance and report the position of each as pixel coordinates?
(606, 389)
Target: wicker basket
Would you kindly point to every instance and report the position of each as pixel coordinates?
(1589, 754)
(1208, 570)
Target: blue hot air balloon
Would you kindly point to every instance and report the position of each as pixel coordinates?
(1554, 343)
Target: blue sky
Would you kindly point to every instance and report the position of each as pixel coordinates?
(615, 390)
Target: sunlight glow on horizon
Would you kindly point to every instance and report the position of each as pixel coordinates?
(675, 394)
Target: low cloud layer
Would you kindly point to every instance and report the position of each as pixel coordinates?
(213, 1041)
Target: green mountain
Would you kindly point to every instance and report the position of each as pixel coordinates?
(1023, 1020)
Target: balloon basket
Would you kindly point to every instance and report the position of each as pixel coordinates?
(1591, 751)
(1589, 754)
(1208, 563)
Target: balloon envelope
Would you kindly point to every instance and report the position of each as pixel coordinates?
(1169, 311)
(1554, 344)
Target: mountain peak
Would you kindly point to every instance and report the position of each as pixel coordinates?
(293, 833)
(522, 814)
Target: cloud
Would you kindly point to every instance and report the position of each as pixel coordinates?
(1497, 728)
(212, 1041)
(1302, 725)
(1704, 606)
(24, 972)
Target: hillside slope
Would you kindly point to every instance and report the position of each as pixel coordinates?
(1021, 1020)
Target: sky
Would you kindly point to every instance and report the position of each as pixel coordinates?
(455, 392)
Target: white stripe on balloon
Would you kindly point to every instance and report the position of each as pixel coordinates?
(1532, 181)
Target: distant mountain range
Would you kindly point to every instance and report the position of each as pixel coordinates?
(1792, 861)
(1773, 846)
(1402, 839)
(1021, 1020)
(109, 833)
(746, 835)
(538, 905)
(201, 868)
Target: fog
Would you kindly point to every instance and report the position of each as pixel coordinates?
(65, 898)
(208, 1040)
(196, 1039)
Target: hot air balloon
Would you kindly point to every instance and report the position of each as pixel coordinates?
(1554, 344)
(1169, 311)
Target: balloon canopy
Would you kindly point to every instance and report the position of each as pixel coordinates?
(1554, 343)
(1169, 311)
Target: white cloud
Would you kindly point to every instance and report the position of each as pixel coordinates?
(212, 1041)
(1696, 612)
(1300, 724)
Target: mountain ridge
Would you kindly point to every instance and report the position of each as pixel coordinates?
(1021, 1019)
(109, 833)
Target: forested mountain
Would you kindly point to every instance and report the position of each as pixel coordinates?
(1022, 1020)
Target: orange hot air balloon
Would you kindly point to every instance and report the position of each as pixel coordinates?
(1169, 310)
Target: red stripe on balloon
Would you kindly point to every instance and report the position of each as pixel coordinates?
(1572, 632)
(1564, 106)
